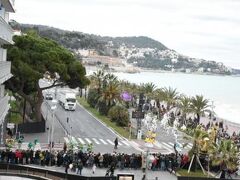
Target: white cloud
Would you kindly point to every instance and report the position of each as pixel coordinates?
(199, 28)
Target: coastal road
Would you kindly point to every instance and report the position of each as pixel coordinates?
(81, 127)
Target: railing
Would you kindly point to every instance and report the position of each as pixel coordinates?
(5, 71)
(41, 172)
(6, 31)
(3, 105)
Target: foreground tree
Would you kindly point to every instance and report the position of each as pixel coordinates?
(201, 145)
(225, 155)
(33, 56)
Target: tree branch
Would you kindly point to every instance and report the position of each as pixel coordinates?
(53, 85)
(22, 94)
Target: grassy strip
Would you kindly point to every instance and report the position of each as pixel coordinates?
(15, 118)
(197, 173)
(123, 132)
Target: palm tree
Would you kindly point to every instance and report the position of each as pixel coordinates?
(149, 88)
(97, 79)
(170, 96)
(110, 93)
(201, 145)
(225, 155)
(184, 106)
(199, 106)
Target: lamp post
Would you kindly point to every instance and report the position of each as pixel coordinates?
(53, 108)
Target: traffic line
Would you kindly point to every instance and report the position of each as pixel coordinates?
(167, 145)
(88, 140)
(171, 144)
(110, 142)
(125, 142)
(81, 141)
(74, 140)
(120, 144)
(103, 141)
(189, 146)
(95, 140)
(66, 140)
(158, 144)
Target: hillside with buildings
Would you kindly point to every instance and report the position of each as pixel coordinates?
(133, 53)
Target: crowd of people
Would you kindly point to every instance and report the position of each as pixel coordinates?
(76, 161)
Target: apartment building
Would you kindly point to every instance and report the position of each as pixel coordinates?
(6, 33)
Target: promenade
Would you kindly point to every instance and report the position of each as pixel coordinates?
(138, 174)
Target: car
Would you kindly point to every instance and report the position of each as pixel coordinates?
(49, 97)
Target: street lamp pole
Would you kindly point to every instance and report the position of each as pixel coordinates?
(53, 107)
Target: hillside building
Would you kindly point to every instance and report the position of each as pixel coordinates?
(6, 33)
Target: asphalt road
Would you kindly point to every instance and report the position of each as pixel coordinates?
(83, 128)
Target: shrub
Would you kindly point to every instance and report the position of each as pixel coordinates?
(92, 98)
(102, 107)
(119, 114)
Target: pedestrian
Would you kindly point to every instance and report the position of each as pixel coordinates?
(79, 167)
(67, 167)
(94, 168)
(116, 143)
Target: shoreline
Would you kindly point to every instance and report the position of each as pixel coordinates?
(123, 69)
(232, 126)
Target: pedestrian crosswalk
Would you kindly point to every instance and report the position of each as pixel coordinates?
(95, 141)
(162, 147)
(169, 146)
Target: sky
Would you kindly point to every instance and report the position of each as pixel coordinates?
(208, 29)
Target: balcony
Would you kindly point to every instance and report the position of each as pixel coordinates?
(5, 71)
(6, 32)
(4, 107)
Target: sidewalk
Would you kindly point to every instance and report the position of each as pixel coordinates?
(138, 174)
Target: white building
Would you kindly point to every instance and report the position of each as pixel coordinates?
(6, 32)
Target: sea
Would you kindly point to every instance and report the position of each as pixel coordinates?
(223, 92)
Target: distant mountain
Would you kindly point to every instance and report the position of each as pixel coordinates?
(139, 51)
(138, 42)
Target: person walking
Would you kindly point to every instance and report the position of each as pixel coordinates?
(116, 143)
(79, 167)
(94, 168)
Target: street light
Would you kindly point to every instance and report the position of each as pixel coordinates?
(53, 108)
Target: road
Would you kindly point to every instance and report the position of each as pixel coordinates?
(83, 128)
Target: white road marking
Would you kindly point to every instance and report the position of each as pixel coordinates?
(110, 142)
(103, 141)
(74, 140)
(81, 141)
(88, 140)
(96, 141)
(167, 145)
(125, 142)
(171, 144)
(66, 140)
